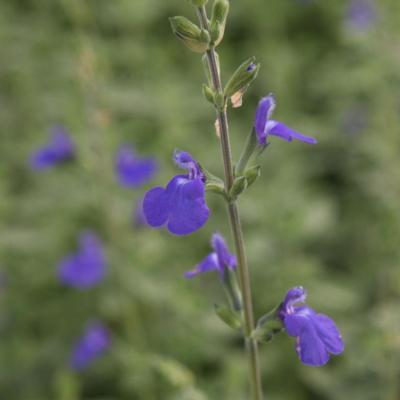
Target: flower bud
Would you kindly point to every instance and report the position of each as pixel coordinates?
(268, 326)
(198, 3)
(239, 186)
(218, 21)
(208, 93)
(191, 35)
(252, 174)
(215, 187)
(242, 77)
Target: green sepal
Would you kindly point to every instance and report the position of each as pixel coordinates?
(252, 174)
(215, 187)
(230, 317)
(249, 150)
(238, 187)
(191, 35)
(232, 290)
(198, 3)
(209, 93)
(214, 184)
(242, 77)
(267, 335)
(211, 177)
(268, 326)
(219, 14)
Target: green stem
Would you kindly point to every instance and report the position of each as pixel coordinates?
(234, 218)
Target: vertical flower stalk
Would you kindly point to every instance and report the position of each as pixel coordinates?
(234, 218)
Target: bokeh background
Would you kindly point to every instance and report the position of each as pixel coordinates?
(326, 216)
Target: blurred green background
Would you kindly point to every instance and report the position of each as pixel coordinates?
(326, 217)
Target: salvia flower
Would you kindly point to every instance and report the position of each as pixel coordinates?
(316, 334)
(219, 259)
(133, 171)
(59, 149)
(93, 343)
(361, 14)
(85, 268)
(265, 126)
(181, 205)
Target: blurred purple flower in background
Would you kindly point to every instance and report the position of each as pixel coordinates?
(316, 334)
(133, 171)
(87, 266)
(93, 343)
(265, 126)
(59, 149)
(361, 14)
(181, 205)
(219, 260)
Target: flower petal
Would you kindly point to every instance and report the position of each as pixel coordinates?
(93, 343)
(309, 347)
(184, 160)
(209, 263)
(264, 111)
(279, 129)
(188, 209)
(86, 267)
(61, 143)
(60, 148)
(295, 295)
(156, 205)
(329, 334)
(133, 171)
(225, 258)
(43, 158)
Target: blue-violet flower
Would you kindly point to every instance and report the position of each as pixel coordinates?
(181, 205)
(316, 334)
(93, 343)
(133, 171)
(218, 260)
(361, 14)
(264, 126)
(59, 149)
(87, 266)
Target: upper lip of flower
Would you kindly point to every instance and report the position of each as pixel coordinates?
(185, 161)
(265, 126)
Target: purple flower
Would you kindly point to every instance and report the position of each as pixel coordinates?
(218, 260)
(93, 343)
(86, 267)
(361, 14)
(58, 150)
(133, 171)
(316, 334)
(181, 205)
(265, 126)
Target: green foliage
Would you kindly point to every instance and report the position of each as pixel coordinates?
(325, 216)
